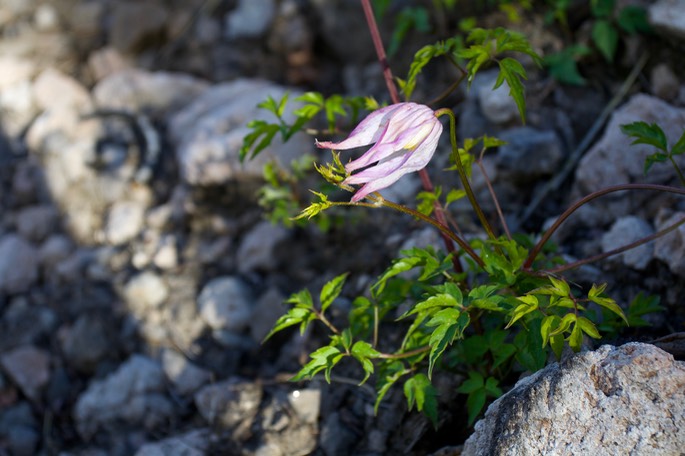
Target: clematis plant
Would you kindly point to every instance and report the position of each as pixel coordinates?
(404, 138)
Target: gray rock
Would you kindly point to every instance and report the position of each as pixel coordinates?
(22, 440)
(17, 103)
(336, 439)
(19, 429)
(624, 231)
(135, 90)
(54, 249)
(267, 311)
(226, 303)
(86, 342)
(613, 160)
(135, 22)
(131, 394)
(530, 153)
(145, 292)
(18, 264)
(193, 443)
(668, 17)
(166, 256)
(46, 18)
(209, 133)
(258, 248)
(29, 369)
(125, 221)
(290, 31)
(671, 248)
(665, 84)
(56, 90)
(183, 374)
(232, 404)
(306, 403)
(627, 400)
(34, 223)
(251, 19)
(497, 105)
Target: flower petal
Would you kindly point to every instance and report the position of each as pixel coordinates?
(367, 132)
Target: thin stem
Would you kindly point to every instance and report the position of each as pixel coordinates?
(616, 251)
(502, 220)
(328, 324)
(594, 195)
(677, 170)
(452, 87)
(375, 326)
(462, 171)
(409, 354)
(392, 89)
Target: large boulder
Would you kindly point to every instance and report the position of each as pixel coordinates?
(615, 400)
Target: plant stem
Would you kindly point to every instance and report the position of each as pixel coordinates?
(409, 354)
(500, 214)
(392, 89)
(462, 171)
(594, 195)
(677, 170)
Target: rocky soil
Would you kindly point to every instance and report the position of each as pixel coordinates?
(138, 275)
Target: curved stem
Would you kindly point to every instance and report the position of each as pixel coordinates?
(500, 214)
(462, 171)
(616, 251)
(409, 354)
(594, 195)
(677, 170)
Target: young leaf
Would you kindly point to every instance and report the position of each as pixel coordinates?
(450, 324)
(297, 315)
(575, 340)
(529, 304)
(323, 358)
(331, 290)
(512, 71)
(605, 36)
(679, 147)
(419, 390)
(602, 8)
(644, 133)
(588, 327)
(563, 65)
(633, 19)
(388, 374)
(363, 352)
(595, 295)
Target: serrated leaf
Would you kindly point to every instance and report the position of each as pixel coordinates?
(331, 290)
(325, 358)
(388, 374)
(529, 304)
(644, 133)
(564, 324)
(679, 147)
(473, 383)
(575, 340)
(420, 392)
(454, 195)
(561, 286)
(605, 36)
(549, 323)
(450, 324)
(557, 344)
(363, 352)
(474, 404)
(295, 316)
(563, 67)
(594, 295)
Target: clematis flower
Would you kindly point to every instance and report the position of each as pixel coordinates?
(404, 138)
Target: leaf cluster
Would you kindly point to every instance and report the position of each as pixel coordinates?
(653, 135)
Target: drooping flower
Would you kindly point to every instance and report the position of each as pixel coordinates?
(404, 138)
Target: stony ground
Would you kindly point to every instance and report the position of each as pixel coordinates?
(138, 276)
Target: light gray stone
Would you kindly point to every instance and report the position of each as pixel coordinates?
(668, 17)
(529, 152)
(56, 90)
(145, 292)
(665, 84)
(193, 443)
(133, 394)
(54, 249)
(18, 264)
(132, 23)
(670, 248)
(624, 231)
(251, 19)
(231, 403)
(268, 310)
(85, 343)
(34, 223)
(306, 403)
(124, 222)
(226, 303)
(29, 369)
(209, 133)
(258, 248)
(183, 374)
(497, 105)
(615, 400)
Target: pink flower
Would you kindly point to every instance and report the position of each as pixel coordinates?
(405, 136)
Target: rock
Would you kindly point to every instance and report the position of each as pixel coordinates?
(107, 61)
(530, 153)
(306, 403)
(55, 90)
(624, 231)
(18, 264)
(145, 292)
(629, 399)
(257, 251)
(668, 17)
(137, 90)
(29, 369)
(613, 160)
(16, 94)
(54, 249)
(267, 311)
(251, 19)
(166, 256)
(19, 430)
(46, 18)
(209, 133)
(670, 248)
(193, 443)
(183, 374)
(132, 394)
(336, 439)
(86, 342)
(226, 303)
(497, 105)
(665, 84)
(125, 221)
(34, 223)
(136, 25)
(232, 404)
(290, 32)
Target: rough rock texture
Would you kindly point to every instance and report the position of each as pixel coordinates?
(615, 400)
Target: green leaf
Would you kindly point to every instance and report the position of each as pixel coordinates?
(679, 147)
(602, 8)
(563, 65)
(588, 327)
(633, 19)
(331, 290)
(513, 72)
(419, 390)
(389, 373)
(297, 315)
(323, 358)
(454, 195)
(473, 383)
(575, 340)
(564, 324)
(364, 353)
(656, 157)
(644, 133)
(549, 323)
(475, 403)
(421, 58)
(605, 36)
(596, 295)
(529, 304)
(642, 305)
(450, 324)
